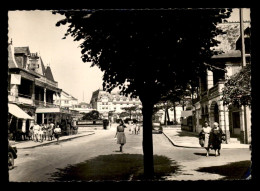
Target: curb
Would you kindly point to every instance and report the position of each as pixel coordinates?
(54, 141)
(200, 147)
(179, 145)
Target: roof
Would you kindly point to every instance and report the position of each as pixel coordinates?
(111, 96)
(48, 74)
(68, 95)
(22, 50)
(228, 41)
(230, 54)
(42, 67)
(11, 59)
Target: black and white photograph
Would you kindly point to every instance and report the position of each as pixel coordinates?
(129, 95)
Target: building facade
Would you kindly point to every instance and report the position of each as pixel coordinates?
(105, 102)
(208, 106)
(83, 107)
(65, 100)
(30, 86)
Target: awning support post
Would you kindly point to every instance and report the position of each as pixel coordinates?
(24, 126)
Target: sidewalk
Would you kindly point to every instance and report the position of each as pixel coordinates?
(180, 138)
(31, 144)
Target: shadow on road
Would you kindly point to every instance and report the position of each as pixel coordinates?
(114, 167)
(232, 171)
(204, 154)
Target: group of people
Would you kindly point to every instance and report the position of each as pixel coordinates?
(211, 138)
(39, 133)
(134, 127)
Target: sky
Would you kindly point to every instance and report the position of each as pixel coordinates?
(37, 30)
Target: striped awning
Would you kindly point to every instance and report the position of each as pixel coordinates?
(18, 112)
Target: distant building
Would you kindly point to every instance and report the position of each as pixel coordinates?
(105, 102)
(83, 107)
(66, 100)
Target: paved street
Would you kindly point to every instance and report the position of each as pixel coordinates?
(37, 164)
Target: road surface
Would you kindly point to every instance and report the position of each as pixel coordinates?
(37, 164)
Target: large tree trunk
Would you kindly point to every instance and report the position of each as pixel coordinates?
(148, 140)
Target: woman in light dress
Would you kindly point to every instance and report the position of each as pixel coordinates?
(57, 132)
(206, 131)
(120, 135)
(40, 132)
(36, 128)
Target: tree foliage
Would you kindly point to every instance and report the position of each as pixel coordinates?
(237, 90)
(146, 53)
(130, 110)
(143, 51)
(92, 115)
(124, 114)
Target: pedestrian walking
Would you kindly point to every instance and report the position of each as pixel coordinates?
(216, 137)
(131, 127)
(57, 132)
(50, 131)
(120, 135)
(36, 128)
(204, 137)
(44, 129)
(40, 132)
(31, 133)
(137, 127)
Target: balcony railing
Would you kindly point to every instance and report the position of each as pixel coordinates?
(25, 100)
(20, 98)
(195, 100)
(39, 103)
(204, 94)
(217, 89)
(213, 90)
(46, 81)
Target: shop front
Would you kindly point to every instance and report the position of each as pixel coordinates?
(17, 122)
(59, 116)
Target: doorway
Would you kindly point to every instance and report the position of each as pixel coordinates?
(236, 124)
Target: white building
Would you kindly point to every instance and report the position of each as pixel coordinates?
(104, 102)
(65, 100)
(83, 107)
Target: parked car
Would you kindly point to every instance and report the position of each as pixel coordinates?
(12, 154)
(157, 127)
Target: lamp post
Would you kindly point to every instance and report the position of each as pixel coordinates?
(243, 65)
(242, 37)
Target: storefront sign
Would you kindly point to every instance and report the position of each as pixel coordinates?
(16, 79)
